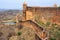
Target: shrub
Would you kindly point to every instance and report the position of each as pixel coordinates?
(58, 34)
(52, 38)
(59, 29)
(54, 25)
(19, 33)
(48, 23)
(59, 6)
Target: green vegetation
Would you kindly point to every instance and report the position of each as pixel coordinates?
(48, 23)
(19, 33)
(59, 6)
(54, 29)
(40, 23)
(54, 25)
(52, 38)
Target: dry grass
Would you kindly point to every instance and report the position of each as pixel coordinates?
(11, 33)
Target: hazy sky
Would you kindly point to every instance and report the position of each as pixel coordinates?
(17, 4)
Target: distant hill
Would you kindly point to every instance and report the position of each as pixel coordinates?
(3, 11)
(8, 14)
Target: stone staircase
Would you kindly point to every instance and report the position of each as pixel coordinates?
(39, 31)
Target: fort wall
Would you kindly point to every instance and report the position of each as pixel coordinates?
(49, 13)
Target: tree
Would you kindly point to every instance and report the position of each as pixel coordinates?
(48, 23)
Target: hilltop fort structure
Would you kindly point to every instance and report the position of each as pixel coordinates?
(28, 18)
(45, 13)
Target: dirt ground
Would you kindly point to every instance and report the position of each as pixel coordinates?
(16, 33)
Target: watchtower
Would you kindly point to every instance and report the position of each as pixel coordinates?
(28, 15)
(24, 10)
